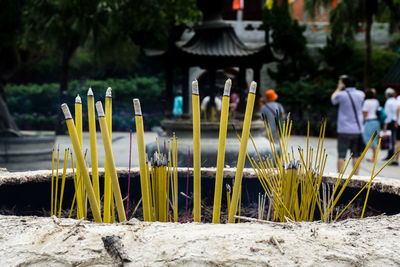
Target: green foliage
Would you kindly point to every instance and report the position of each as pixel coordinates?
(35, 106)
(156, 23)
(308, 101)
(288, 40)
(340, 58)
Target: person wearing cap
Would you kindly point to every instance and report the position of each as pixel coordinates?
(390, 109)
(271, 109)
(349, 120)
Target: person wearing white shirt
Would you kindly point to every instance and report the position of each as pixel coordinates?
(206, 105)
(370, 119)
(390, 108)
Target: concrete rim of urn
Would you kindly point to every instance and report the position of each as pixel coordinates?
(26, 148)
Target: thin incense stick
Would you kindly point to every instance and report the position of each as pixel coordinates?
(196, 152)
(75, 186)
(107, 179)
(81, 163)
(66, 154)
(129, 171)
(146, 196)
(52, 182)
(367, 184)
(93, 144)
(187, 185)
(372, 173)
(110, 160)
(56, 188)
(221, 152)
(242, 152)
(175, 179)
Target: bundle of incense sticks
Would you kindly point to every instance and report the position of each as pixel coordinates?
(86, 188)
(158, 179)
(293, 185)
(54, 186)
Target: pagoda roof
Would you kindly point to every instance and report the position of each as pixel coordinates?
(217, 39)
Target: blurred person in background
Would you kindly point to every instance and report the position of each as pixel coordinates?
(177, 109)
(397, 123)
(390, 109)
(273, 111)
(233, 104)
(371, 120)
(349, 120)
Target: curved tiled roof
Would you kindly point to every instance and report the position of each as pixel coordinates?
(217, 39)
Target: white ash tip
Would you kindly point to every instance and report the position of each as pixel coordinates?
(78, 99)
(227, 89)
(99, 108)
(90, 92)
(253, 87)
(65, 110)
(136, 105)
(195, 87)
(109, 92)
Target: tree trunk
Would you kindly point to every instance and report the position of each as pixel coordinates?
(367, 63)
(61, 126)
(7, 125)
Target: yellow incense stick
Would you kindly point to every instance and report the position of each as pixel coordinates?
(196, 152)
(78, 125)
(93, 144)
(175, 171)
(81, 163)
(52, 182)
(223, 126)
(146, 196)
(107, 179)
(75, 186)
(56, 188)
(242, 152)
(66, 154)
(110, 160)
(372, 174)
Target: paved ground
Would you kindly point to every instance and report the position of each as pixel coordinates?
(121, 154)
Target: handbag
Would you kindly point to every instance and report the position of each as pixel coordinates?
(386, 139)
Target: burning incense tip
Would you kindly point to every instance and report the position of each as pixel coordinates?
(65, 110)
(195, 87)
(108, 92)
(136, 105)
(90, 92)
(227, 89)
(99, 108)
(253, 87)
(78, 99)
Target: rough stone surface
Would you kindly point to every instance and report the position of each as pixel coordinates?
(27, 241)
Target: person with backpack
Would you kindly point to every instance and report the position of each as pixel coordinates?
(371, 121)
(273, 111)
(349, 120)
